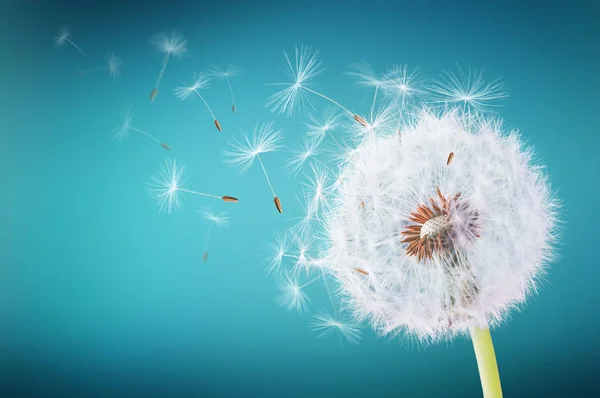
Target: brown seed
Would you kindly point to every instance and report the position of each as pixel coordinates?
(278, 204)
(362, 204)
(154, 92)
(450, 157)
(360, 120)
(361, 271)
(233, 108)
(230, 199)
(218, 125)
(205, 256)
(168, 148)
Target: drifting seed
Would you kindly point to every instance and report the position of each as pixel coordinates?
(450, 157)
(154, 92)
(360, 120)
(362, 204)
(360, 271)
(230, 199)
(233, 108)
(168, 148)
(218, 125)
(205, 256)
(278, 205)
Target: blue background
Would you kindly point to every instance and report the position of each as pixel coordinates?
(102, 296)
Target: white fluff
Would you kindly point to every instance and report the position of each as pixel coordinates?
(492, 170)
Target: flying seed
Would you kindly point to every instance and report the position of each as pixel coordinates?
(233, 108)
(278, 204)
(361, 271)
(218, 125)
(450, 157)
(360, 120)
(230, 199)
(168, 148)
(154, 92)
(205, 256)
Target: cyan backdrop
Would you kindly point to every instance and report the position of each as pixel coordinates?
(101, 296)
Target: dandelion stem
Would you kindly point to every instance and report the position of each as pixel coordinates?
(162, 71)
(266, 175)
(75, 45)
(205, 103)
(486, 362)
(199, 193)
(230, 90)
(146, 134)
(328, 99)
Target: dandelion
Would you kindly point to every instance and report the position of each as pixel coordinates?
(113, 66)
(226, 74)
(64, 37)
(469, 91)
(326, 324)
(291, 296)
(126, 127)
(169, 183)
(442, 247)
(200, 82)
(245, 150)
(219, 220)
(306, 67)
(171, 45)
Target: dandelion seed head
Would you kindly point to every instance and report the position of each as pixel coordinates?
(400, 84)
(467, 262)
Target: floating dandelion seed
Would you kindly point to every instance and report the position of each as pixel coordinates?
(469, 91)
(292, 297)
(306, 67)
(169, 183)
(200, 82)
(245, 150)
(171, 45)
(448, 260)
(305, 150)
(113, 66)
(450, 157)
(122, 131)
(277, 252)
(219, 220)
(326, 324)
(320, 128)
(63, 37)
(401, 84)
(226, 74)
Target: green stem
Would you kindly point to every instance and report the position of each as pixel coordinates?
(486, 362)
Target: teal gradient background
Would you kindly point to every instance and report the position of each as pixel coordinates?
(101, 296)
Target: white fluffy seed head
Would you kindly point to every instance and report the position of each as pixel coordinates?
(484, 271)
